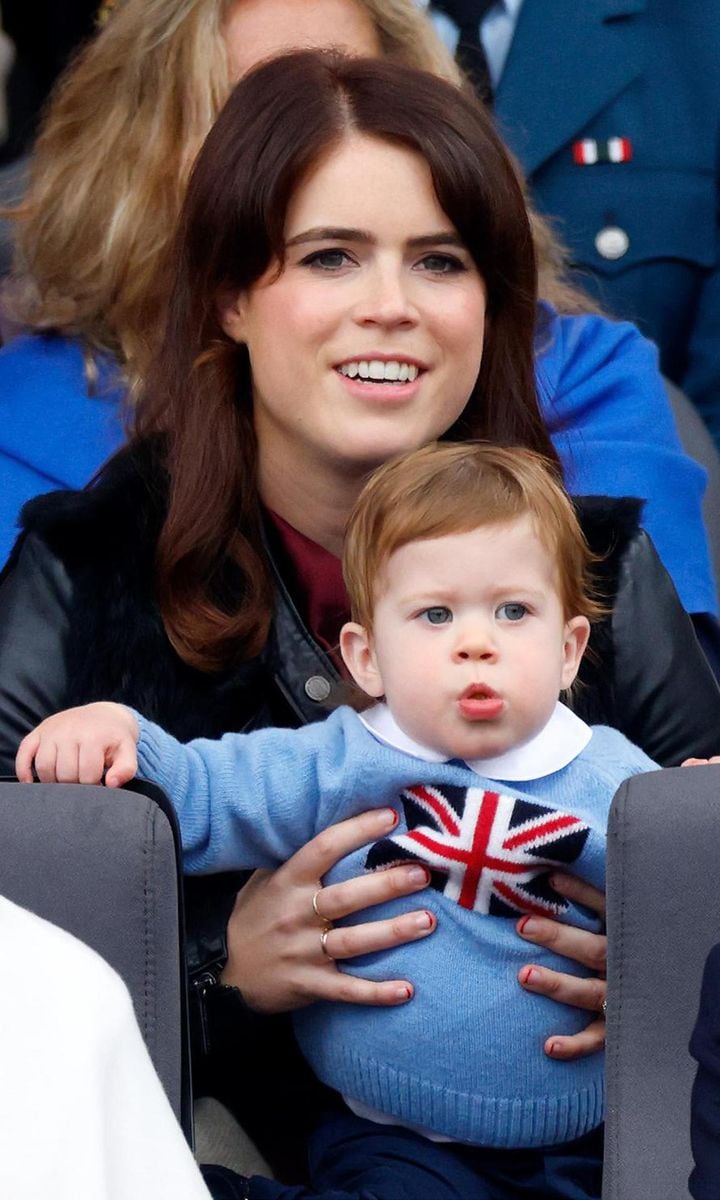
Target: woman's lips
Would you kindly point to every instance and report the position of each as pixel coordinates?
(386, 392)
(479, 703)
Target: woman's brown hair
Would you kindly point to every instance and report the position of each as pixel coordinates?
(278, 122)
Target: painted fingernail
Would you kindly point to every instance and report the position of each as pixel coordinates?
(404, 993)
(554, 1048)
(424, 920)
(529, 975)
(390, 818)
(418, 875)
(527, 925)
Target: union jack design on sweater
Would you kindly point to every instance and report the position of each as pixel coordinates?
(487, 851)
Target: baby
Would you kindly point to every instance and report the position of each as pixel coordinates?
(467, 573)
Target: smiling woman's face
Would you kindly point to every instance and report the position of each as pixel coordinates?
(259, 29)
(368, 342)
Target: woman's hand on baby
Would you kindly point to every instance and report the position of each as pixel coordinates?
(275, 956)
(581, 946)
(81, 745)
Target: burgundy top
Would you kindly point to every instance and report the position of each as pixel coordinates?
(315, 581)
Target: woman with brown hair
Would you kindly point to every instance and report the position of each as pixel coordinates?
(109, 174)
(354, 277)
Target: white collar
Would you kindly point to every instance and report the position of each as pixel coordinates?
(557, 744)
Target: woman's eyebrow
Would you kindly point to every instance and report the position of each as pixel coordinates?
(330, 233)
(336, 233)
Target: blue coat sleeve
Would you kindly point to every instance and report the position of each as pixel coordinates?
(53, 433)
(605, 404)
(250, 800)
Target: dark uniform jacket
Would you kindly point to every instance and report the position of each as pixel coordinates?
(644, 231)
(78, 622)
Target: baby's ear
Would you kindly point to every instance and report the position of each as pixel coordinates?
(359, 657)
(576, 634)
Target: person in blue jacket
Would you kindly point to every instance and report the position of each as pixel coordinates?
(613, 109)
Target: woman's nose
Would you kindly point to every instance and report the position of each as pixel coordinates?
(386, 300)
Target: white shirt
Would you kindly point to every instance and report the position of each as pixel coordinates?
(496, 33)
(557, 744)
(83, 1115)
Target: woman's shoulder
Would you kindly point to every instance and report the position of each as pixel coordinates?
(609, 523)
(122, 508)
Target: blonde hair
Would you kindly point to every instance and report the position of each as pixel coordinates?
(449, 487)
(111, 165)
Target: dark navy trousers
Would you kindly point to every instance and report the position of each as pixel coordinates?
(353, 1159)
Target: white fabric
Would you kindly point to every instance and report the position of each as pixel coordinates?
(557, 744)
(82, 1113)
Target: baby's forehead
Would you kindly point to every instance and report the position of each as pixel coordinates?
(510, 548)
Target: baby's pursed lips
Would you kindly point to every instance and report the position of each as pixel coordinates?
(479, 691)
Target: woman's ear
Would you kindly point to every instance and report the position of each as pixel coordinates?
(359, 657)
(231, 315)
(577, 632)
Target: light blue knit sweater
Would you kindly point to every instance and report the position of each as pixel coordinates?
(464, 1057)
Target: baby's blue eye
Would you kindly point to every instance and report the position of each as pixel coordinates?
(440, 615)
(511, 612)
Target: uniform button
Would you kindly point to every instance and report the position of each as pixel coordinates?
(317, 688)
(612, 242)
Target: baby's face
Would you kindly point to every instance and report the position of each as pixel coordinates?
(470, 646)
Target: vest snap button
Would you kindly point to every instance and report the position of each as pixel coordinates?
(612, 242)
(317, 688)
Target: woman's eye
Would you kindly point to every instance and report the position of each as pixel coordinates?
(327, 260)
(440, 615)
(512, 612)
(442, 264)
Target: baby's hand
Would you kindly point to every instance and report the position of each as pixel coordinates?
(79, 745)
(700, 762)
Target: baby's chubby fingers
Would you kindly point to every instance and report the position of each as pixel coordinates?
(75, 746)
(122, 763)
(26, 756)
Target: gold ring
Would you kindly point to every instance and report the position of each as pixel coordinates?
(323, 943)
(316, 910)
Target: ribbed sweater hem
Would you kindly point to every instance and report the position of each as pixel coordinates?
(505, 1121)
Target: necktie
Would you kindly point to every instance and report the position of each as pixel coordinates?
(467, 15)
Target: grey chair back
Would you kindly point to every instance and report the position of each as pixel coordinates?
(663, 890)
(105, 866)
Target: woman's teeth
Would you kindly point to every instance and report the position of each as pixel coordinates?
(392, 372)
